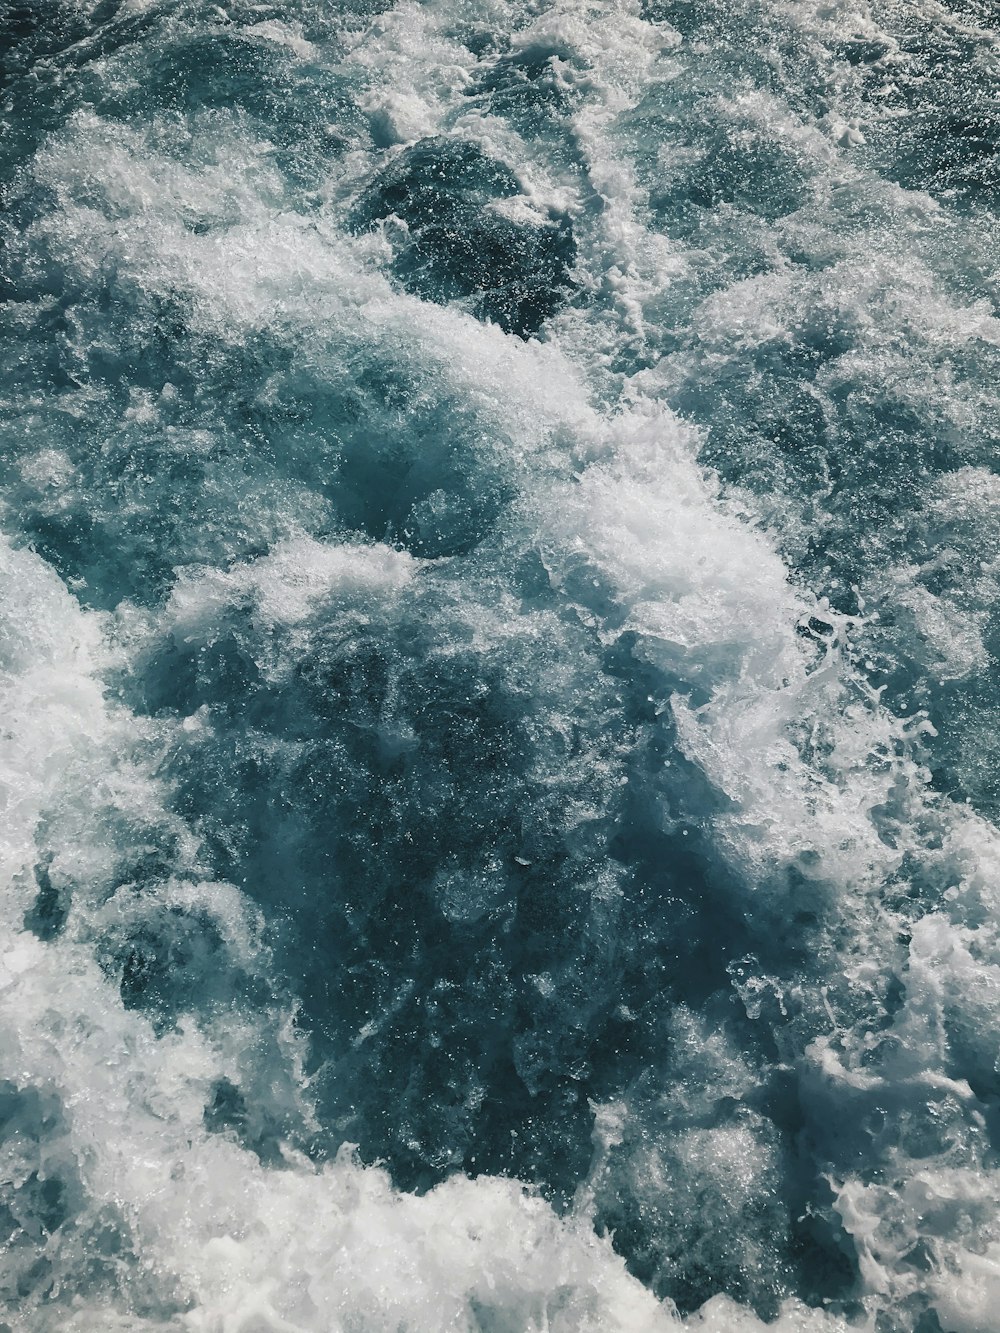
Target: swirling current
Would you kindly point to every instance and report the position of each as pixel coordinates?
(498, 651)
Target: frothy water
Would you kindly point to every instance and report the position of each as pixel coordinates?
(498, 644)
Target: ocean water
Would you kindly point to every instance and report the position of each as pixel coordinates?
(500, 722)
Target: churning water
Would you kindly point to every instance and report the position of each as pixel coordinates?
(499, 630)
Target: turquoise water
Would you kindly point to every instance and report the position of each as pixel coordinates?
(498, 641)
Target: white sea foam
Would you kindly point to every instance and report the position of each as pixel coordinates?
(128, 1208)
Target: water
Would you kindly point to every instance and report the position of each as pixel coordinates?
(499, 646)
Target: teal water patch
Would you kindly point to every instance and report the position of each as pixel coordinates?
(464, 238)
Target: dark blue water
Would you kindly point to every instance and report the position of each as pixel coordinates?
(498, 633)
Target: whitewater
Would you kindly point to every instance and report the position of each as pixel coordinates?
(499, 697)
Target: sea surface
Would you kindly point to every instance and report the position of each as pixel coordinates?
(499, 696)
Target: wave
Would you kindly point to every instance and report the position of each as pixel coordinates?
(498, 651)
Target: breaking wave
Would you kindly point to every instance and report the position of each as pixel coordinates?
(498, 655)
